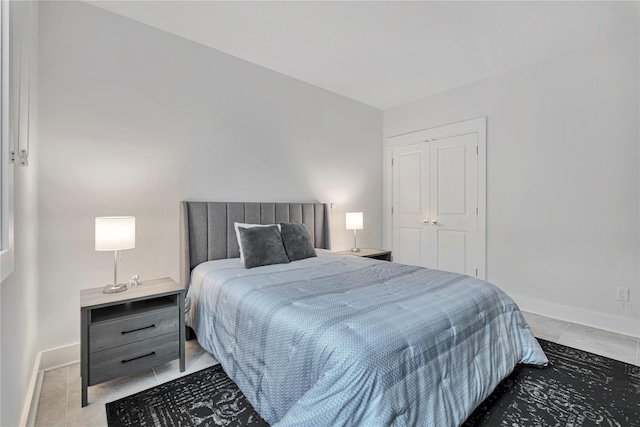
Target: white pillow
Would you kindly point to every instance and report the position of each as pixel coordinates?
(243, 225)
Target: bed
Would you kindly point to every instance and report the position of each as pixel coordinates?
(338, 340)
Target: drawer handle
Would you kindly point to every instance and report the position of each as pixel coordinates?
(139, 357)
(139, 329)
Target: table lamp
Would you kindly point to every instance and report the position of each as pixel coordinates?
(354, 222)
(115, 233)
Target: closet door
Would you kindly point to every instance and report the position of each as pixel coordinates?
(453, 203)
(410, 202)
(435, 204)
(436, 196)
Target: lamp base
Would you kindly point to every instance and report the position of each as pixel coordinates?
(113, 289)
(355, 249)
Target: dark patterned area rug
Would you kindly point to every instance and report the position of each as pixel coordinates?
(204, 398)
(578, 389)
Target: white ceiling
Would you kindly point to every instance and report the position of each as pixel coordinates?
(388, 53)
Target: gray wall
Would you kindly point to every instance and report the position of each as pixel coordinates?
(562, 181)
(134, 119)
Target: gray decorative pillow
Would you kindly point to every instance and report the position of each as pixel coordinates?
(262, 246)
(297, 241)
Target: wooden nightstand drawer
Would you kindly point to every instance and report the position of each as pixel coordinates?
(114, 333)
(126, 359)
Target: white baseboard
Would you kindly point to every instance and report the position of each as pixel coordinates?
(60, 356)
(45, 360)
(619, 325)
(30, 407)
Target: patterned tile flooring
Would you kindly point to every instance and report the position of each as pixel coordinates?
(60, 396)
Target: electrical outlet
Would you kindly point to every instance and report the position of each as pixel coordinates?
(622, 294)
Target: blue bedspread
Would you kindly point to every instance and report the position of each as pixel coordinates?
(340, 340)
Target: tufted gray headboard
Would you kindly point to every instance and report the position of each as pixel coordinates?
(207, 233)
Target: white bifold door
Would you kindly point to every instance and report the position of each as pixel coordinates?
(435, 204)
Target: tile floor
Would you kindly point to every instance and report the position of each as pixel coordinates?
(60, 403)
(60, 396)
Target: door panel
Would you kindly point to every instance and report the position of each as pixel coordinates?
(410, 204)
(451, 176)
(451, 250)
(454, 200)
(410, 246)
(410, 182)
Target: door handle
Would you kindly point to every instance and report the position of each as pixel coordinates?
(425, 221)
(434, 221)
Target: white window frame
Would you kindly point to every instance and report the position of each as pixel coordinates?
(6, 168)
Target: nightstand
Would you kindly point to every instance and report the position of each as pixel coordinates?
(130, 331)
(380, 254)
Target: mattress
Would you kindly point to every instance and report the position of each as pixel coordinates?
(339, 340)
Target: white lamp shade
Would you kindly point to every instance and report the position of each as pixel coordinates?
(115, 233)
(354, 220)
